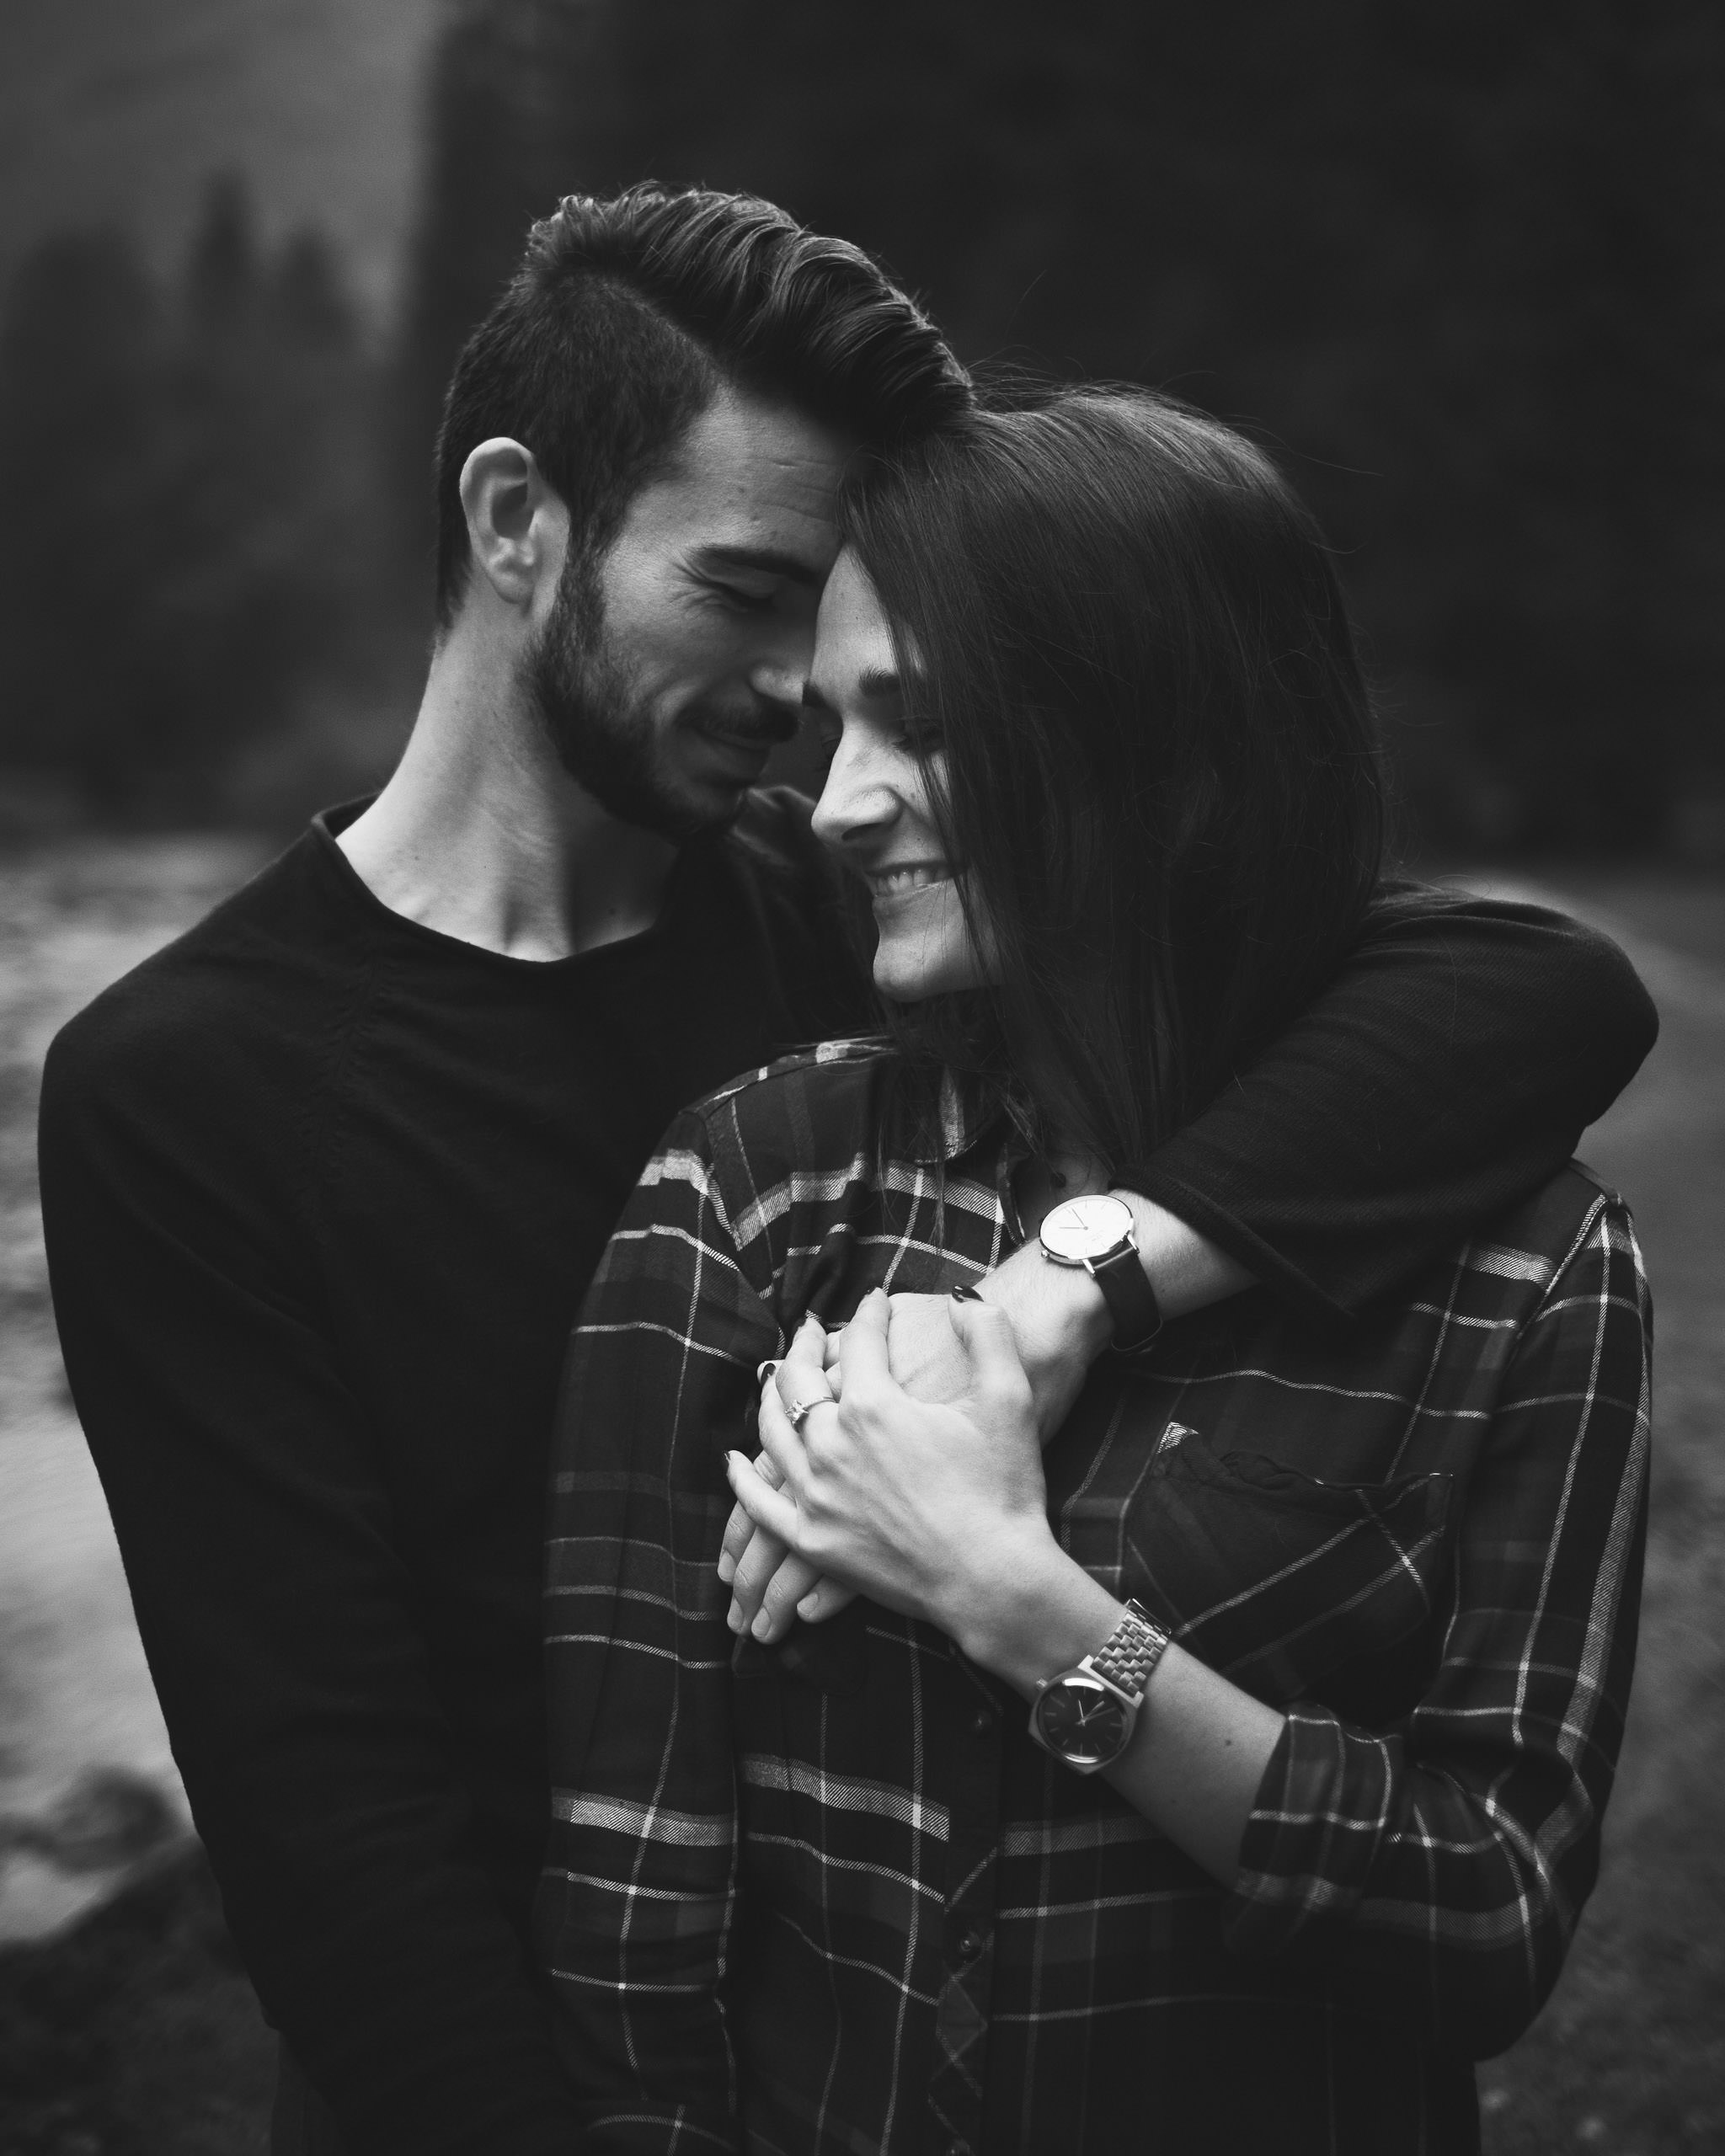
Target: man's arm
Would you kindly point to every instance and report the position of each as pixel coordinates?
(280, 1623)
(1447, 1072)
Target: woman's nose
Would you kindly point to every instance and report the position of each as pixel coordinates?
(856, 804)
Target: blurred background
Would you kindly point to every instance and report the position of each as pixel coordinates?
(1461, 266)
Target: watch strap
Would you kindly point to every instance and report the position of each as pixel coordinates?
(1130, 1299)
(1129, 1656)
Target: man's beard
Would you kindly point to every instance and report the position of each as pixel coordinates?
(592, 714)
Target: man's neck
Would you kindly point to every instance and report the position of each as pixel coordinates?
(481, 835)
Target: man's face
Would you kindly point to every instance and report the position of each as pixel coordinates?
(666, 676)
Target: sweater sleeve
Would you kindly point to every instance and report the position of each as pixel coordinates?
(277, 1614)
(635, 1906)
(1447, 1072)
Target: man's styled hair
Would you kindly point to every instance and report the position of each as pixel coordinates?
(1125, 654)
(627, 315)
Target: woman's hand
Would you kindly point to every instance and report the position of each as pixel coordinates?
(769, 1586)
(926, 1508)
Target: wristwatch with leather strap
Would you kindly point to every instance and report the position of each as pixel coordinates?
(1085, 1716)
(1096, 1232)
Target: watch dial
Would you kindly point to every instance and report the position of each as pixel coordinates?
(1085, 1227)
(1081, 1719)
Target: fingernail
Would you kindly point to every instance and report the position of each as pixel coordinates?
(734, 1618)
(961, 1293)
(763, 1371)
(727, 1568)
(762, 1625)
(807, 1608)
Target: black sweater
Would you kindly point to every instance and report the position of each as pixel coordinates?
(322, 1191)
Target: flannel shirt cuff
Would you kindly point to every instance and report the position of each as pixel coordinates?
(1310, 1846)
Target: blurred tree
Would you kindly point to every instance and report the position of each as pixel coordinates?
(1462, 264)
(195, 543)
(509, 86)
(79, 371)
(223, 278)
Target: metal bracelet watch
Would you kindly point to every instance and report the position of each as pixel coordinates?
(1096, 1232)
(1085, 1716)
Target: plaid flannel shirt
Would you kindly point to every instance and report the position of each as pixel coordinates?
(831, 1897)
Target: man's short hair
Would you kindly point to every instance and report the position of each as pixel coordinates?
(627, 315)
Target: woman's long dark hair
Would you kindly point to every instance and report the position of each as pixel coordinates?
(1161, 768)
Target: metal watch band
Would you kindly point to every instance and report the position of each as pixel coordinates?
(1130, 1299)
(1127, 1656)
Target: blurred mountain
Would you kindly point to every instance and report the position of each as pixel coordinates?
(116, 111)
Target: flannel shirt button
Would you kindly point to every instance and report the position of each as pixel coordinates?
(969, 1944)
(958, 2148)
(982, 1722)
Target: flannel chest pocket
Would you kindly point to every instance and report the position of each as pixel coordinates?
(1275, 1579)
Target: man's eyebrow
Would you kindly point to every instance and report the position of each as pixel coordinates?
(761, 561)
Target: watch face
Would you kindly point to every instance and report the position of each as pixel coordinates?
(1086, 1227)
(1083, 1721)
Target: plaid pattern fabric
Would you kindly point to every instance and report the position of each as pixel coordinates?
(831, 1897)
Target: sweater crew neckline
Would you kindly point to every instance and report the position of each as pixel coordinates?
(325, 830)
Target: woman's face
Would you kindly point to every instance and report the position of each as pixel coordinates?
(874, 810)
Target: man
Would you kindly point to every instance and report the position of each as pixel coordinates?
(324, 1182)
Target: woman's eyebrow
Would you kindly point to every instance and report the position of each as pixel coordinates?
(873, 682)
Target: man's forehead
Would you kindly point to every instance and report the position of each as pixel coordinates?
(753, 475)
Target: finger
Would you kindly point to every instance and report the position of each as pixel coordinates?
(865, 1357)
(768, 1509)
(790, 1583)
(825, 1599)
(739, 1530)
(803, 1372)
(782, 1443)
(739, 1527)
(986, 1334)
(760, 1562)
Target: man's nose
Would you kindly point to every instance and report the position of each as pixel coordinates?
(778, 676)
(856, 804)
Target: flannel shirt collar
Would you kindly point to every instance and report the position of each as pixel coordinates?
(969, 1118)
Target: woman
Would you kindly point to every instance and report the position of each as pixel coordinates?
(1324, 1642)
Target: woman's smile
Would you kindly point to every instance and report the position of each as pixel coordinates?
(905, 879)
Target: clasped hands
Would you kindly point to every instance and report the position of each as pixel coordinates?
(870, 1489)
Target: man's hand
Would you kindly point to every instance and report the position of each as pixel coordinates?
(930, 1509)
(770, 1587)
(1060, 1324)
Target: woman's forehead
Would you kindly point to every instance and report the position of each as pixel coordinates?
(855, 655)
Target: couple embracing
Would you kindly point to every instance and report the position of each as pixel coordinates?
(1095, 1515)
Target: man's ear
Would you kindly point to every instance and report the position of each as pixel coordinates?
(518, 528)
